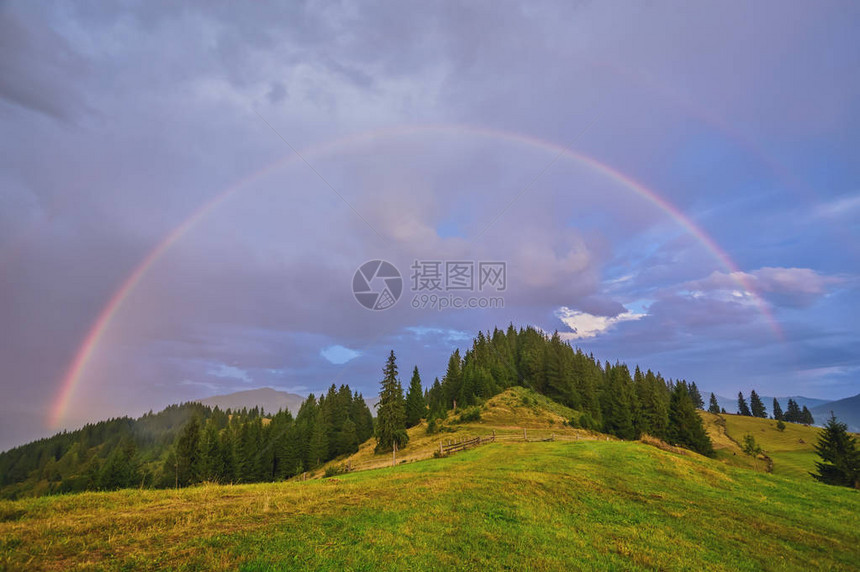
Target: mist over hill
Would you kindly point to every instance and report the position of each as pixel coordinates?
(846, 410)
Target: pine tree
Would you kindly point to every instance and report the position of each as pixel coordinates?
(743, 409)
(777, 410)
(757, 407)
(685, 426)
(696, 396)
(806, 416)
(122, 468)
(713, 406)
(318, 445)
(840, 458)
(188, 452)
(618, 404)
(792, 412)
(210, 454)
(416, 406)
(391, 410)
(453, 380)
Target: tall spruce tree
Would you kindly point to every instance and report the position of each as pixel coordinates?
(696, 396)
(416, 406)
(840, 458)
(188, 453)
(806, 416)
(743, 408)
(713, 406)
(685, 426)
(777, 410)
(391, 410)
(453, 380)
(757, 407)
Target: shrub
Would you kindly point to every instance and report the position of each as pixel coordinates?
(586, 421)
(432, 426)
(470, 414)
(335, 470)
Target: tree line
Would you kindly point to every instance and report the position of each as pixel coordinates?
(190, 443)
(756, 408)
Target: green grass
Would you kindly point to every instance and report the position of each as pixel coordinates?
(589, 505)
(792, 450)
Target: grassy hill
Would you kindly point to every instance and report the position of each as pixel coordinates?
(505, 416)
(505, 505)
(791, 452)
(583, 501)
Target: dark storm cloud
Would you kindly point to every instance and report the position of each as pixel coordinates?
(39, 71)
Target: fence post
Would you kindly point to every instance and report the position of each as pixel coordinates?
(440, 448)
(394, 455)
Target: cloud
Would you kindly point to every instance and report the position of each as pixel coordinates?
(230, 372)
(39, 69)
(792, 287)
(203, 384)
(845, 206)
(584, 325)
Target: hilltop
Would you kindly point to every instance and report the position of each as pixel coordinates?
(265, 398)
(504, 416)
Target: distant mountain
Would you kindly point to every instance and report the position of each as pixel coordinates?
(846, 410)
(270, 400)
(730, 404)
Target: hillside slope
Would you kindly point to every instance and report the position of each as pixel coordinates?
(791, 452)
(506, 505)
(506, 416)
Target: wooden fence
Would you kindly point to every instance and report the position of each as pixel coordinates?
(463, 444)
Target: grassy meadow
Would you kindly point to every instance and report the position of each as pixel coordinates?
(507, 505)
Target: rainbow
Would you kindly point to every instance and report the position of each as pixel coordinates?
(74, 374)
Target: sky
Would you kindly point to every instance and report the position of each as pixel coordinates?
(188, 190)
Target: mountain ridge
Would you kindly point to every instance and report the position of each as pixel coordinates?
(846, 410)
(267, 398)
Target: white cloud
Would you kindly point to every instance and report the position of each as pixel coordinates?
(843, 206)
(230, 372)
(795, 287)
(584, 325)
